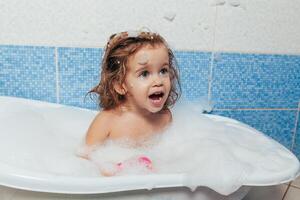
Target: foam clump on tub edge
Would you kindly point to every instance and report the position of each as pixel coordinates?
(220, 154)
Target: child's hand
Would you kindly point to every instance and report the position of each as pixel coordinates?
(84, 151)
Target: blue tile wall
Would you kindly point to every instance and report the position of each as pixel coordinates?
(256, 81)
(278, 124)
(194, 69)
(260, 90)
(28, 71)
(79, 72)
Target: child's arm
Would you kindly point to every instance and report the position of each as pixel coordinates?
(97, 133)
(99, 129)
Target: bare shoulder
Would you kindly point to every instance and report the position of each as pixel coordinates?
(99, 129)
(105, 115)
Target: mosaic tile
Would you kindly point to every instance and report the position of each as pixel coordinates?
(28, 72)
(194, 68)
(278, 124)
(79, 72)
(256, 81)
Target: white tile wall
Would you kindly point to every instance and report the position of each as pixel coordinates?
(262, 26)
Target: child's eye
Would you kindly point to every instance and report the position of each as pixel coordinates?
(144, 74)
(164, 71)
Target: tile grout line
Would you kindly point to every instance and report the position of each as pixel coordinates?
(212, 59)
(295, 127)
(57, 75)
(286, 191)
(210, 77)
(294, 186)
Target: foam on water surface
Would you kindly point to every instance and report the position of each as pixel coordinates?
(217, 152)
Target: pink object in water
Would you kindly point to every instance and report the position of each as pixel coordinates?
(141, 160)
(145, 161)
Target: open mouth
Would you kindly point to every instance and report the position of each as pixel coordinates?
(156, 96)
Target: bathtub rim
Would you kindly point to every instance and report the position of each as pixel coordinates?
(40, 182)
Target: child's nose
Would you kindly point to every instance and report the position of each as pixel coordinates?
(157, 81)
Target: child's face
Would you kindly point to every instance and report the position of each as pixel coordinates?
(147, 81)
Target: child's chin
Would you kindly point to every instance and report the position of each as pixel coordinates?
(155, 110)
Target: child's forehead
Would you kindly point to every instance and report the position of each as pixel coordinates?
(159, 50)
(149, 55)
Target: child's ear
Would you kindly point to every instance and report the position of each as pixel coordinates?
(120, 88)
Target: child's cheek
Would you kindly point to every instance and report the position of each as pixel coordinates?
(140, 82)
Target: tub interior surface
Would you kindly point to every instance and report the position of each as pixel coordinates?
(59, 170)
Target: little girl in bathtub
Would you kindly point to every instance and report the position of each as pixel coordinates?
(139, 82)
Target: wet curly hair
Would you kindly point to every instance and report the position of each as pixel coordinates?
(118, 49)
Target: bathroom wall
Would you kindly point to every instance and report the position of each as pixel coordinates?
(242, 55)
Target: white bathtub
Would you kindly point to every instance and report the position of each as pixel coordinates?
(18, 180)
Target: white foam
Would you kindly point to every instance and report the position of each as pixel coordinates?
(234, 3)
(170, 16)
